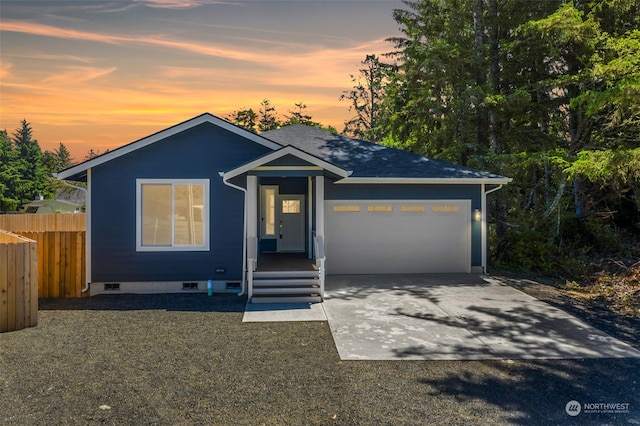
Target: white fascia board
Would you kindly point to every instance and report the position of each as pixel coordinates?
(163, 134)
(442, 181)
(278, 168)
(287, 150)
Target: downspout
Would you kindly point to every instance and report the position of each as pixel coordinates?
(244, 230)
(86, 193)
(484, 225)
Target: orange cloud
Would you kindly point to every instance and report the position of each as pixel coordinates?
(86, 102)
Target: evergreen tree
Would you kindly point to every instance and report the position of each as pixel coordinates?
(9, 174)
(366, 97)
(544, 92)
(29, 162)
(268, 119)
(245, 118)
(299, 116)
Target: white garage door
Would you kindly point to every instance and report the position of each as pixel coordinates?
(365, 237)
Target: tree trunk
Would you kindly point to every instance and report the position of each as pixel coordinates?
(480, 72)
(494, 71)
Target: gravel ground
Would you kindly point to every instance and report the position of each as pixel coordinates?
(189, 360)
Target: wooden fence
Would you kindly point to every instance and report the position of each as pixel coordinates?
(18, 282)
(43, 222)
(61, 243)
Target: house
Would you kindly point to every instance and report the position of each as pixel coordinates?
(41, 206)
(208, 204)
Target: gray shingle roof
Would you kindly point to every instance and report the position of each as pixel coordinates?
(366, 159)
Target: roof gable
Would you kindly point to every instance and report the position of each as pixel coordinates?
(284, 153)
(79, 170)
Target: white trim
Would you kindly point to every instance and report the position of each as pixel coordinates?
(285, 168)
(320, 206)
(252, 207)
(87, 218)
(163, 134)
(393, 180)
(205, 215)
(287, 150)
(309, 217)
(483, 228)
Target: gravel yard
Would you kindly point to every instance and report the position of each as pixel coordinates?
(189, 359)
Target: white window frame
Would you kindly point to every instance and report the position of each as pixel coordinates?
(205, 214)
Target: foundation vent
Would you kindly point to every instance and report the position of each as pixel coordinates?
(189, 286)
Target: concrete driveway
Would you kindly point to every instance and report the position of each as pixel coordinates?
(454, 317)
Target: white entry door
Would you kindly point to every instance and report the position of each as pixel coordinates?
(291, 216)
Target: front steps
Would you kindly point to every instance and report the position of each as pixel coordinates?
(286, 287)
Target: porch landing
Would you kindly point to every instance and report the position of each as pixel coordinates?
(285, 262)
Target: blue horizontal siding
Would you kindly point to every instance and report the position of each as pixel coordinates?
(198, 153)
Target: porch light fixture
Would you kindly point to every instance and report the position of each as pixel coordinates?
(477, 215)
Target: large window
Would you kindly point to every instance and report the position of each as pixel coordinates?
(172, 214)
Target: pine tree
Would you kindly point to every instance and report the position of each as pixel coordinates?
(33, 175)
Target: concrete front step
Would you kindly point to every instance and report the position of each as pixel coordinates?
(285, 282)
(285, 291)
(285, 274)
(286, 299)
(286, 287)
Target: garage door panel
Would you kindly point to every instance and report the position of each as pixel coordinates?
(432, 238)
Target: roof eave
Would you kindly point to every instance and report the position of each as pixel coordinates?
(441, 181)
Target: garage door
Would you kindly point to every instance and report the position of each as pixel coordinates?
(365, 237)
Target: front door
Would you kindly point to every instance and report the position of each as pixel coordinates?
(291, 221)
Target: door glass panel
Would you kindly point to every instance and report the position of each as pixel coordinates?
(290, 206)
(270, 211)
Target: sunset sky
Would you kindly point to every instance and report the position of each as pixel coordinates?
(100, 74)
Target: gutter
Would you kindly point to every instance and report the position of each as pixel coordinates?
(87, 285)
(244, 227)
(493, 190)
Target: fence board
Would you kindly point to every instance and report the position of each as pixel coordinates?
(19, 286)
(4, 290)
(33, 284)
(11, 286)
(56, 266)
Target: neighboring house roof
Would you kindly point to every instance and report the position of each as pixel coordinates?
(372, 162)
(365, 161)
(51, 206)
